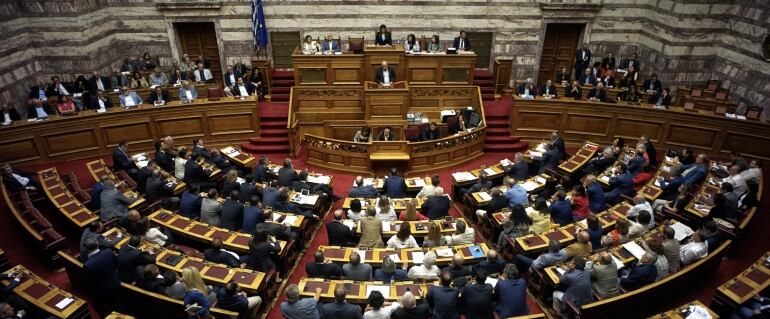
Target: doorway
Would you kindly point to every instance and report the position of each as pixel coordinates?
(559, 46)
(284, 43)
(482, 46)
(200, 38)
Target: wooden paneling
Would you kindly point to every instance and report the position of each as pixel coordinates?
(90, 134)
(559, 45)
(674, 128)
(201, 38)
(481, 42)
(283, 44)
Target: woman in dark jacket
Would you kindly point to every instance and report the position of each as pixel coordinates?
(260, 250)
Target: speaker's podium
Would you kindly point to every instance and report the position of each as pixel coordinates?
(386, 101)
(386, 155)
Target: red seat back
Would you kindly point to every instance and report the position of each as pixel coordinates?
(214, 92)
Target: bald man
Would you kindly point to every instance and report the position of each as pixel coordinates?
(644, 273)
(604, 276)
(458, 270)
(492, 265)
(385, 74)
(340, 308)
(130, 222)
(339, 233)
(582, 247)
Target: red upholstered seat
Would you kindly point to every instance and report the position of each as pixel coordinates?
(214, 92)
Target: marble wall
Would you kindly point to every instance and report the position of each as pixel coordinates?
(683, 41)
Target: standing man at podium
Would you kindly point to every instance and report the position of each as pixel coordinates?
(385, 75)
(386, 135)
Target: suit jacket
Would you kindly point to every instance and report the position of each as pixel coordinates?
(443, 301)
(220, 257)
(436, 207)
(100, 274)
(286, 176)
(156, 188)
(163, 96)
(94, 102)
(114, 204)
(340, 310)
(563, 77)
(371, 232)
(429, 135)
(577, 94)
(378, 39)
(121, 161)
(190, 205)
(523, 87)
(608, 81)
(670, 187)
(578, 286)
(622, 184)
(133, 96)
(478, 297)
(129, 260)
(627, 63)
(512, 298)
(177, 79)
(665, 101)
(183, 93)
(478, 186)
(580, 60)
(609, 63)
(381, 137)
(635, 164)
(394, 187)
(595, 194)
(601, 95)
(561, 212)
(550, 159)
(53, 90)
(246, 191)
(14, 186)
(421, 311)
(640, 276)
(323, 270)
(519, 170)
(605, 279)
(250, 89)
(34, 92)
(165, 161)
(12, 113)
(656, 85)
(339, 234)
(93, 87)
(194, 173)
(232, 215)
(590, 79)
(235, 75)
(695, 176)
(551, 90)
(380, 78)
(364, 191)
(466, 44)
(335, 46)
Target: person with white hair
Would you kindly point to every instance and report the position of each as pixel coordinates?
(300, 308)
(436, 206)
(527, 89)
(409, 307)
(427, 270)
(463, 235)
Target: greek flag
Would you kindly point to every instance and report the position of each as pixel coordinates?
(259, 30)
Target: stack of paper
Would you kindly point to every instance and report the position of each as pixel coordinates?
(290, 220)
(656, 183)
(320, 179)
(560, 271)
(634, 249)
(505, 162)
(419, 182)
(240, 180)
(529, 210)
(444, 252)
(418, 257)
(484, 196)
(489, 171)
(536, 154)
(463, 176)
(540, 180)
(530, 185)
(231, 151)
(619, 264)
(491, 281)
(605, 178)
(395, 258)
(384, 290)
(64, 303)
(386, 225)
(362, 253)
(349, 223)
(681, 231)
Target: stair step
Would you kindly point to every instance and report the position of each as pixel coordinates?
(492, 122)
(280, 90)
(279, 97)
(501, 139)
(487, 97)
(272, 124)
(482, 74)
(487, 90)
(283, 74)
(483, 82)
(262, 149)
(284, 83)
(516, 147)
(272, 132)
(498, 131)
(269, 140)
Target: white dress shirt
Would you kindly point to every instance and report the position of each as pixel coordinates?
(693, 251)
(21, 179)
(385, 76)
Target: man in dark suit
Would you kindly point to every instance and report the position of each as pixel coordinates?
(195, 174)
(598, 93)
(492, 265)
(98, 83)
(386, 135)
(652, 84)
(598, 164)
(99, 101)
(16, 181)
(436, 206)
(130, 259)
(582, 60)
(548, 89)
(644, 273)
(608, 80)
(558, 143)
(216, 254)
(340, 234)
(385, 74)
(100, 275)
(574, 90)
(243, 89)
(247, 189)
(321, 268)
(622, 184)
(232, 212)
(158, 187)
(287, 174)
(164, 160)
(144, 174)
(190, 203)
(284, 205)
(561, 209)
(511, 293)
(609, 62)
(633, 61)
(497, 203)
(696, 172)
(527, 88)
(431, 132)
(587, 78)
(159, 97)
(121, 161)
(330, 45)
(520, 168)
(482, 183)
(550, 158)
(443, 299)
(231, 76)
(340, 309)
(39, 91)
(663, 97)
(462, 42)
(57, 88)
(363, 191)
(478, 297)
(199, 148)
(394, 185)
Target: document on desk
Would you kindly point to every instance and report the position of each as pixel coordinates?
(681, 231)
(320, 179)
(64, 303)
(489, 171)
(384, 290)
(444, 252)
(290, 220)
(418, 257)
(491, 281)
(230, 151)
(463, 176)
(530, 185)
(395, 258)
(484, 196)
(605, 178)
(535, 154)
(351, 224)
(362, 254)
(419, 182)
(634, 249)
(619, 264)
(386, 226)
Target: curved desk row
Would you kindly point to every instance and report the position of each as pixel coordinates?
(88, 134)
(673, 128)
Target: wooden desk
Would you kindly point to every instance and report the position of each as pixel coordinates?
(63, 200)
(439, 68)
(235, 155)
(141, 159)
(90, 134)
(341, 255)
(357, 290)
(397, 203)
(46, 297)
(681, 312)
(98, 168)
(703, 201)
(745, 285)
(580, 158)
(674, 128)
(389, 102)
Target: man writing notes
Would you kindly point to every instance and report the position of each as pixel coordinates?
(462, 43)
(385, 75)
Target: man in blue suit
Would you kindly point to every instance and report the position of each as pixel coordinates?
(696, 172)
(129, 98)
(100, 275)
(595, 194)
(588, 78)
(561, 209)
(511, 293)
(636, 163)
(527, 88)
(187, 91)
(622, 184)
(231, 76)
(394, 185)
(670, 186)
(643, 274)
(190, 203)
(363, 191)
(520, 168)
(330, 44)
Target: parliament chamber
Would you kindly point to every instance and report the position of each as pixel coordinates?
(306, 160)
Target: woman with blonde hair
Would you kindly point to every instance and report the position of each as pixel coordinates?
(385, 210)
(197, 293)
(410, 214)
(434, 238)
(231, 182)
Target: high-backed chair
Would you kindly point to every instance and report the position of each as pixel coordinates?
(356, 45)
(214, 92)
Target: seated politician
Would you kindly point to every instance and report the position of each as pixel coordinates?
(382, 37)
(243, 89)
(329, 44)
(386, 135)
(309, 46)
(574, 91)
(66, 106)
(158, 97)
(364, 135)
(598, 93)
(662, 98)
(608, 80)
(434, 46)
(187, 91)
(588, 78)
(548, 90)
(652, 84)
(432, 132)
(9, 114)
(527, 88)
(385, 74)
(462, 43)
(411, 44)
(129, 98)
(100, 102)
(630, 95)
